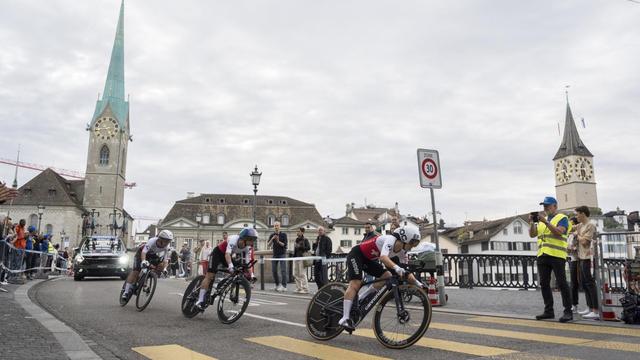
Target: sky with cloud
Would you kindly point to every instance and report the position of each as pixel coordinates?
(331, 99)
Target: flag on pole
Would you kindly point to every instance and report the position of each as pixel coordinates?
(584, 126)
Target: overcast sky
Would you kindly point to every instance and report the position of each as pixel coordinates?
(332, 98)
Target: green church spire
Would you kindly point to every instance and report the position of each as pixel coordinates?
(113, 94)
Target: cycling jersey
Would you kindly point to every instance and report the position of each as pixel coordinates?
(375, 247)
(152, 248)
(230, 246)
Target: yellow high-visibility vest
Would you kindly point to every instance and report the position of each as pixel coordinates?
(51, 249)
(550, 244)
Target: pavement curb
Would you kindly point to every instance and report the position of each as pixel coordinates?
(72, 344)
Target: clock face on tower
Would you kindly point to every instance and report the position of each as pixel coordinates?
(564, 168)
(583, 169)
(106, 128)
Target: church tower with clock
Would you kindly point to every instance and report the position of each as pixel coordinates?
(108, 139)
(575, 178)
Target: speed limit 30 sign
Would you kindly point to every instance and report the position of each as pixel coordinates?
(429, 169)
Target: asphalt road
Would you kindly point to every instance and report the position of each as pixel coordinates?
(273, 328)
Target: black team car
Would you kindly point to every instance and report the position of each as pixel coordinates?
(101, 256)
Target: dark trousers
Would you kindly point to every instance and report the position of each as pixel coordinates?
(588, 283)
(283, 270)
(575, 281)
(546, 265)
(320, 274)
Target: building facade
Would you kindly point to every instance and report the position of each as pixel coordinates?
(207, 216)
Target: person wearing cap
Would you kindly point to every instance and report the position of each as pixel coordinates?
(551, 228)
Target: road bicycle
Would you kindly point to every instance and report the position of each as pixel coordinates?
(143, 289)
(395, 324)
(233, 293)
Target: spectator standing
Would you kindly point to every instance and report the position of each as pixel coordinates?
(19, 242)
(204, 256)
(369, 231)
(321, 247)
(174, 262)
(551, 228)
(572, 252)
(301, 247)
(184, 260)
(278, 242)
(585, 234)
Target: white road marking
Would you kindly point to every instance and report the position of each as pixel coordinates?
(274, 320)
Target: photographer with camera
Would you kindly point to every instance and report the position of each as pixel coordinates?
(551, 229)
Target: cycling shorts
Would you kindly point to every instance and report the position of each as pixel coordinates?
(216, 258)
(358, 263)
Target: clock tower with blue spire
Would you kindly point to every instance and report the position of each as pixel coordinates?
(109, 135)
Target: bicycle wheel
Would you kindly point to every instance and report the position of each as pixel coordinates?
(124, 302)
(325, 310)
(146, 288)
(400, 329)
(190, 297)
(234, 299)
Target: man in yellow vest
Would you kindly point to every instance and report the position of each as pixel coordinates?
(551, 228)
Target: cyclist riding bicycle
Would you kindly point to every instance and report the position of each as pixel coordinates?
(363, 258)
(236, 244)
(156, 251)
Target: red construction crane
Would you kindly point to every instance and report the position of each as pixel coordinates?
(64, 172)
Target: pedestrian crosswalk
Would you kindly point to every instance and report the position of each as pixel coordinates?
(492, 329)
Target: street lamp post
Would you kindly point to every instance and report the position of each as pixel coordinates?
(40, 212)
(255, 180)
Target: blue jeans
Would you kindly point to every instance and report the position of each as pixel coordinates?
(283, 270)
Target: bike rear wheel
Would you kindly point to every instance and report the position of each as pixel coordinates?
(400, 330)
(124, 302)
(234, 299)
(325, 310)
(190, 297)
(146, 289)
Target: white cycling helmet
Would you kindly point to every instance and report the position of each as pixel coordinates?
(166, 235)
(407, 233)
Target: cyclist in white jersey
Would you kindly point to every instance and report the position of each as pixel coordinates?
(156, 251)
(364, 258)
(221, 254)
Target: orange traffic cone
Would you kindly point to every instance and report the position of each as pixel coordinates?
(607, 312)
(432, 292)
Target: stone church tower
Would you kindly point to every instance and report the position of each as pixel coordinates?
(575, 178)
(108, 139)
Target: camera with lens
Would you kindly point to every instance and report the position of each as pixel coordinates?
(535, 216)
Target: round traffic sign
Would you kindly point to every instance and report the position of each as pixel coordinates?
(429, 169)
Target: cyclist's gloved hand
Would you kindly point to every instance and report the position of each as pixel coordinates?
(400, 271)
(231, 268)
(145, 264)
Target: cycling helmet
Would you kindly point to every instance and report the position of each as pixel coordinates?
(166, 235)
(248, 234)
(407, 233)
(31, 228)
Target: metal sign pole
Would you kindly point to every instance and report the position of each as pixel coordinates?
(434, 236)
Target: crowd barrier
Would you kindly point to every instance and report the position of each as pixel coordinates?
(15, 262)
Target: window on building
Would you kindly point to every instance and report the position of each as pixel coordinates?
(221, 201)
(345, 231)
(245, 201)
(517, 228)
(486, 231)
(207, 200)
(52, 193)
(284, 202)
(48, 229)
(270, 202)
(285, 220)
(520, 246)
(220, 219)
(345, 243)
(26, 192)
(505, 231)
(526, 246)
(464, 249)
(189, 242)
(271, 220)
(485, 245)
(206, 218)
(357, 231)
(33, 220)
(104, 155)
(511, 246)
(444, 251)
